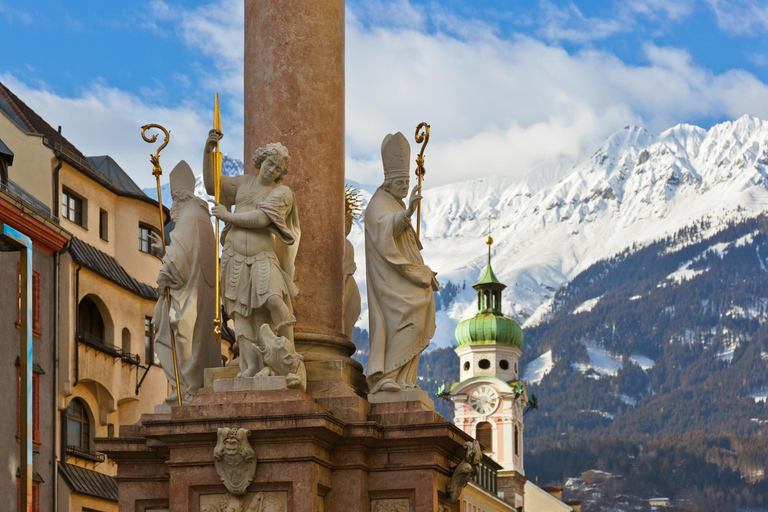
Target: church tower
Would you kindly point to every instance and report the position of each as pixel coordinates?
(490, 398)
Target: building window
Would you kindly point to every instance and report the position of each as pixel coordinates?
(91, 322)
(517, 441)
(484, 434)
(35, 496)
(504, 364)
(149, 342)
(78, 426)
(36, 332)
(126, 341)
(484, 364)
(72, 207)
(466, 366)
(103, 225)
(145, 240)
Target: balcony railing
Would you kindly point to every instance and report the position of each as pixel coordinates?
(78, 452)
(26, 199)
(97, 343)
(486, 476)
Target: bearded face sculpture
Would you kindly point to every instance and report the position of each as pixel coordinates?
(234, 459)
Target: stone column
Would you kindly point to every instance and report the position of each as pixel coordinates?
(294, 94)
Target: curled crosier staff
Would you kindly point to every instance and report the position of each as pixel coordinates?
(157, 171)
(423, 139)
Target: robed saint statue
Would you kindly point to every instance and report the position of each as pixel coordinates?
(401, 303)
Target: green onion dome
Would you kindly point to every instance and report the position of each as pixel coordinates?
(489, 328)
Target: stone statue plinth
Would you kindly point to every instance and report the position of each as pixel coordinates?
(327, 449)
(409, 395)
(250, 384)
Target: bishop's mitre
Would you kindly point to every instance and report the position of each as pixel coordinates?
(395, 156)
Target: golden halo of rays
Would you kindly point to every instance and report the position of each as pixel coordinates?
(353, 205)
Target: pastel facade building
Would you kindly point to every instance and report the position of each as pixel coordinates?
(96, 304)
(26, 206)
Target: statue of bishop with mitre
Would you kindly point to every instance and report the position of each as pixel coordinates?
(401, 303)
(189, 271)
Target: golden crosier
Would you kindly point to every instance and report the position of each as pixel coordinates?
(423, 139)
(157, 171)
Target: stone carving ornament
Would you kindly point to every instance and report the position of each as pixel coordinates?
(188, 270)
(234, 459)
(401, 303)
(465, 471)
(260, 240)
(280, 358)
(390, 505)
(251, 502)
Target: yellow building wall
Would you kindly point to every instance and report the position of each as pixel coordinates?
(124, 215)
(33, 162)
(539, 500)
(476, 499)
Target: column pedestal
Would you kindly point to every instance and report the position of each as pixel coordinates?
(336, 453)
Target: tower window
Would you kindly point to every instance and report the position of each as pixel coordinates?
(466, 366)
(504, 364)
(484, 364)
(484, 434)
(517, 441)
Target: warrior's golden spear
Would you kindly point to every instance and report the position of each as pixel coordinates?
(420, 170)
(156, 172)
(217, 196)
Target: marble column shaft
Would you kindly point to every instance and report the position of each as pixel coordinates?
(294, 94)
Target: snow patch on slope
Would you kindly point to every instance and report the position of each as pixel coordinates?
(601, 362)
(587, 305)
(538, 368)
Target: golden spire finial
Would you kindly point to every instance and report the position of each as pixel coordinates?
(489, 239)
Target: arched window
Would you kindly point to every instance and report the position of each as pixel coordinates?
(91, 323)
(517, 441)
(126, 345)
(484, 434)
(78, 425)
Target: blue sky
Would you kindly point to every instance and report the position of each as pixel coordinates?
(511, 82)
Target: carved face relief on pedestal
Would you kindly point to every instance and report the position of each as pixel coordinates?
(234, 459)
(483, 400)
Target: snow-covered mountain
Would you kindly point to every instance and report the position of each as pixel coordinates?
(563, 216)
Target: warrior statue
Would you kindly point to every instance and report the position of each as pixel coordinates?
(260, 239)
(401, 304)
(188, 270)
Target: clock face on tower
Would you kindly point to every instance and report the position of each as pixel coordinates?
(483, 400)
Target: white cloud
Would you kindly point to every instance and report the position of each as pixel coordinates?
(496, 106)
(569, 24)
(671, 9)
(106, 120)
(743, 17)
